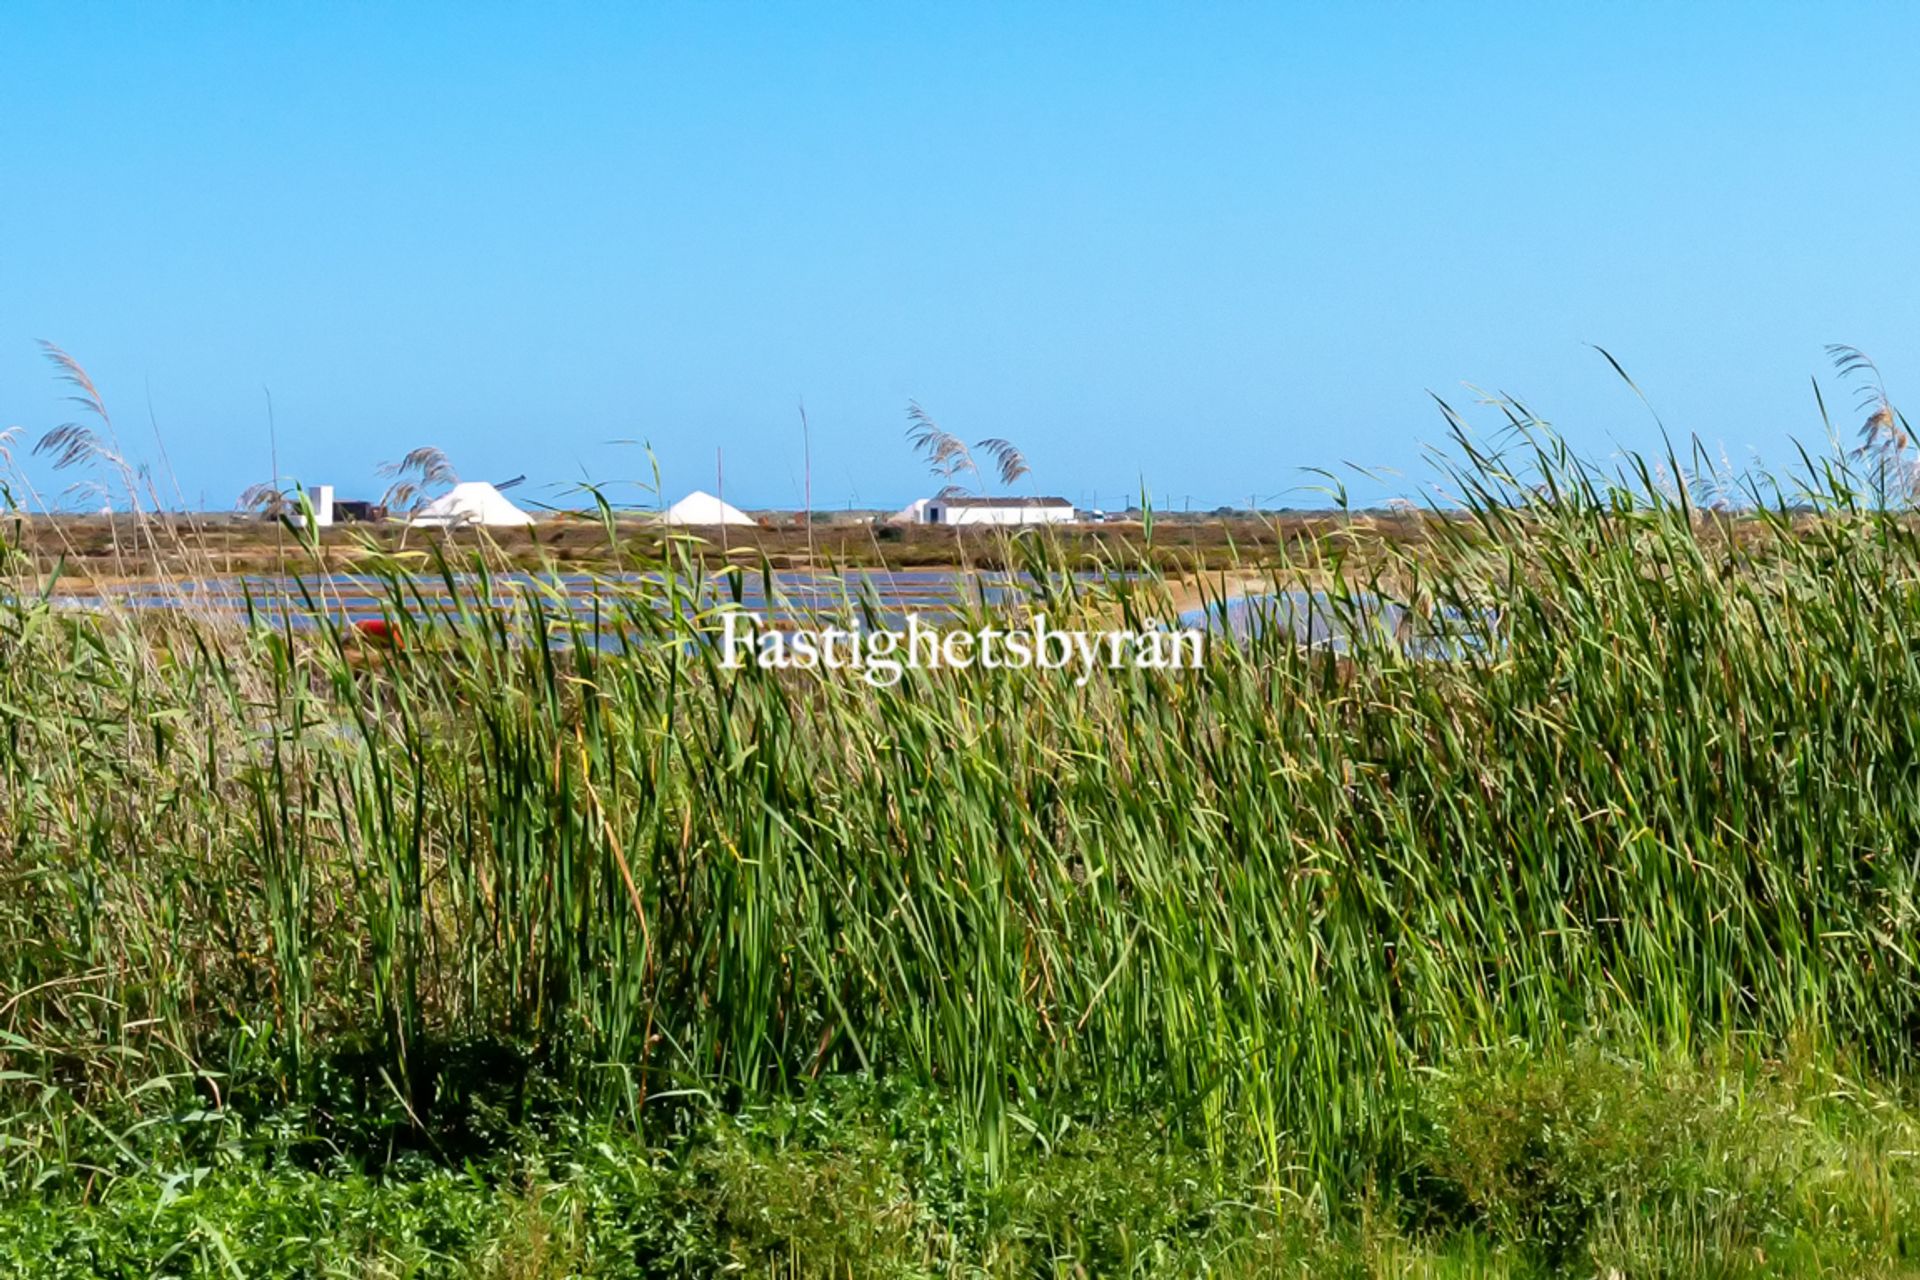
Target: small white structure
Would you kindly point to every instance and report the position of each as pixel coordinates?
(702, 508)
(914, 512)
(471, 502)
(320, 498)
(999, 511)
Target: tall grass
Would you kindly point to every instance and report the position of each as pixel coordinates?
(1671, 797)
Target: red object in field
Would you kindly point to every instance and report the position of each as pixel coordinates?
(377, 630)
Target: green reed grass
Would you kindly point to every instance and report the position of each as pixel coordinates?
(1673, 800)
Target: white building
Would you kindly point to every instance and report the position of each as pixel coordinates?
(999, 511)
(320, 498)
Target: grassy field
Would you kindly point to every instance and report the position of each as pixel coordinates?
(1588, 950)
(93, 550)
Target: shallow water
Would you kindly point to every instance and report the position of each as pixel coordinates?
(305, 601)
(1318, 619)
(1314, 618)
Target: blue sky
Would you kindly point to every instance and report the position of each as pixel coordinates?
(1207, 245)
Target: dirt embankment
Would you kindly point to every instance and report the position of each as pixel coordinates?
(98, 551)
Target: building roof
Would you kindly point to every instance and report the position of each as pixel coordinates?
(1003, 502)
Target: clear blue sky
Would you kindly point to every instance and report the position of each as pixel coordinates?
(1207, 244)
